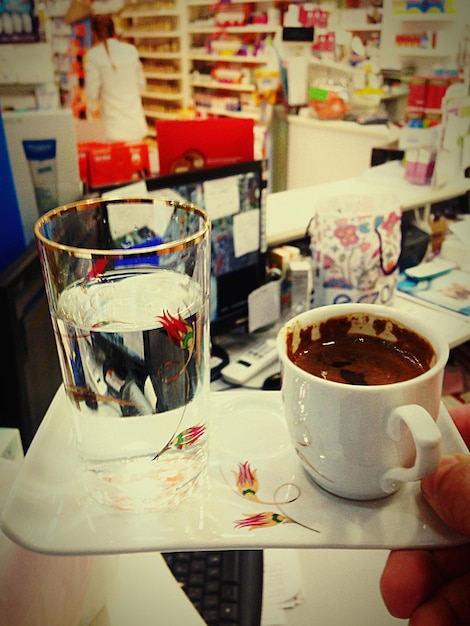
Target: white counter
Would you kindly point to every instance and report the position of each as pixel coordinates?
(288, 212)
(321, 151)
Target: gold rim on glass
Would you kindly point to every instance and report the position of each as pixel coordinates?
(157, 249)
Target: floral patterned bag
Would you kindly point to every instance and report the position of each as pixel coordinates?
(355, 244)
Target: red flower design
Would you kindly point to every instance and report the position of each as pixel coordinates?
(97, 268)
(180, 332)
(188, 437)
(262, 520)
(247, 483)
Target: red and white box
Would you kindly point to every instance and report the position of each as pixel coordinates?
(104, 164)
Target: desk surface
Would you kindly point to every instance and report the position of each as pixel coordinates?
(340, 588)
(288, 212)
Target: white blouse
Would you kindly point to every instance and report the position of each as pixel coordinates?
(115, 83)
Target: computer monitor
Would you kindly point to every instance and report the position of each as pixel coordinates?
(232, 196)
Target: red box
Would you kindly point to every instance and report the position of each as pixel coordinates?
(139, 162)
(186, 145)
(83, 149)
(104, 164)
(417, 92)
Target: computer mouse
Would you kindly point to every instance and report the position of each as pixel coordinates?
(272, 383)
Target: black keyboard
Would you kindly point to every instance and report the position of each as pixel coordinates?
(225, 586)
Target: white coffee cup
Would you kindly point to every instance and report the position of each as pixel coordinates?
(362, 441)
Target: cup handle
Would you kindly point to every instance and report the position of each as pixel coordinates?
(427, 439)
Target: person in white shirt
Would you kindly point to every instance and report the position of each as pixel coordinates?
(114, 81)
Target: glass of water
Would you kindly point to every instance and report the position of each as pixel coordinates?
(127, 282)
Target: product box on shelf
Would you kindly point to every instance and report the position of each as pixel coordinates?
(232, 15)
(103, 164)
(420, 164)
(43, 157)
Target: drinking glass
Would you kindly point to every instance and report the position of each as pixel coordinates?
(127, 282)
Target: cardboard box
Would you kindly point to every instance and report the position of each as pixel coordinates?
(48, 125)
(187, 145)
(409, 138)
(105, 164)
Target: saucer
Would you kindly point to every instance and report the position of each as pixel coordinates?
(256, 495)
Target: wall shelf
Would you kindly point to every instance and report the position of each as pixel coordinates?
(159, 35)
(418, 52)
(447, 27)
(228, 113)
(425, 17)
(220, 58)
(220, 85)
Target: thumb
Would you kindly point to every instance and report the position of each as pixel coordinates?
(448, 492)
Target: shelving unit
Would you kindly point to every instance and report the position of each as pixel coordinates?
(446, 27)
(158, 29)
(69, 42)
(194, 61)
(224, 57)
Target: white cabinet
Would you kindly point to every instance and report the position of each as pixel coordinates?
(439, 33)
(158, 29)
(325, 151)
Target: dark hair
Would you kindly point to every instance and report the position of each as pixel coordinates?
(102, 26)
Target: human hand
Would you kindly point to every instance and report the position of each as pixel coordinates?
(432, 588)
(94, 109)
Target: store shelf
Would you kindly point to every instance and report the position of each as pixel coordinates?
(425, 17)
(221, 58)
(131, 13)
(417, 52)
(161, 95)
(209, 3)
(163, 76)
(227, 113)
(137, 33)
(446, 27)
(365, 28)
(231, 30)
(219, 85)
(160, 35)
(217, 50)
(161, 115)
(151, 54)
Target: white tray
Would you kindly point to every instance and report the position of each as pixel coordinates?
(48, 511)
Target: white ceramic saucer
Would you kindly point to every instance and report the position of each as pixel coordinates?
(47, 510)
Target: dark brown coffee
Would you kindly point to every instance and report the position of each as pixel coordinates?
(345, 356)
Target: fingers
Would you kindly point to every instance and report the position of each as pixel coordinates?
(408, 579)
(461, 417)
(448, 492)
(450, 607)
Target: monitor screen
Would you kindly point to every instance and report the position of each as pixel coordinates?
(232, 197)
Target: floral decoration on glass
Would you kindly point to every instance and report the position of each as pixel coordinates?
(181, 333)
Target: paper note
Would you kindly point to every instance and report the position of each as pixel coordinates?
(222, 197)
(264, 305)
(246, 232)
